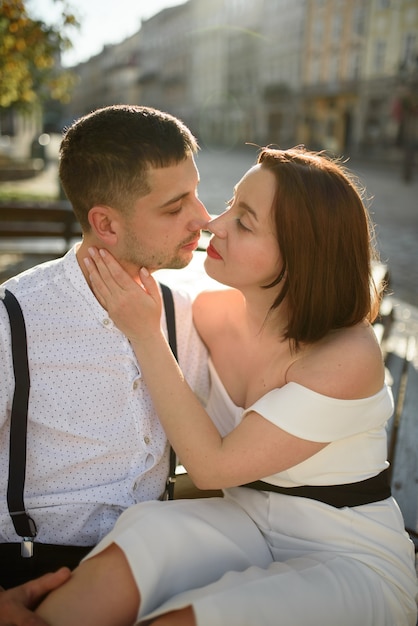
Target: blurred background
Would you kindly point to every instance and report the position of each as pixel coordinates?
(334, 75)
(340, 75)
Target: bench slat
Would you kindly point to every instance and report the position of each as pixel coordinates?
(35, 220)
(10, 231)
(396, 354)
(405, 461)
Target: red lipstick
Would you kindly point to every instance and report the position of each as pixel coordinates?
(212, 252)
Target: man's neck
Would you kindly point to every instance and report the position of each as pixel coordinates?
(82, 252)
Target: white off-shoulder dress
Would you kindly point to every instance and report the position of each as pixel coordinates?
(256, 558)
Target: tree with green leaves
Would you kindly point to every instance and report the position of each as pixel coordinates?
(30, 51)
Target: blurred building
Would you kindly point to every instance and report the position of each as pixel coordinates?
(164, 70)
(334, 48)
(283, 28)
(333, 74)
(390, 72)
(225, 70)
(109, 77)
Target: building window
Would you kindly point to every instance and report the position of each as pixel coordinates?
(318, 31)
(333, 69)
(359, 20)
(337, 27)
(315, 71)
(354, 65)
(379, 56)
(410, 52)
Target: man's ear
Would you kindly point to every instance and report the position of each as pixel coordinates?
(104, 224)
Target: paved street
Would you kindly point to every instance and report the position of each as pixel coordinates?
(393, 205)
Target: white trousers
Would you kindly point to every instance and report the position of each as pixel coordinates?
(211, 555)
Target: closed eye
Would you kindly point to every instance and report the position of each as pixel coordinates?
(175, 211)
(241, 226)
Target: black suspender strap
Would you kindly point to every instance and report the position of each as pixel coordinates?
(24, 525)
(172, 340)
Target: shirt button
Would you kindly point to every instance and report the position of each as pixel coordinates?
(147, 440)
(135, 385)
(106, 321)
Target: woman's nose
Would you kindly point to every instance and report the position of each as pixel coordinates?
(216, 226)
(204, 214)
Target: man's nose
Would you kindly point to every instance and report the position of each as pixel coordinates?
(200, 216)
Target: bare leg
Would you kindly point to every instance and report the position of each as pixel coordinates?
(100, 591)
(183, 617)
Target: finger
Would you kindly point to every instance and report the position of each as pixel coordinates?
(110, 283)
(100, 269)
(16, 603)
(97, 268)
(97, 285)
(36, 589)
(150, 284)
(112, 272)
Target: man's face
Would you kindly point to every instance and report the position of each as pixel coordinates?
(164, 227)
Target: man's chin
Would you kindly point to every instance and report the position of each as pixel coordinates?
(176, 263)
(179, 263)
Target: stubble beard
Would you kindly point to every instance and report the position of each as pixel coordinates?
(134, 255)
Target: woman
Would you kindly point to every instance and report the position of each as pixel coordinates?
(307, 532)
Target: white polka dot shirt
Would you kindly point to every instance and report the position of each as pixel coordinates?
(95, 445)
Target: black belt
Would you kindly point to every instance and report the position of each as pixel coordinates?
(350, 494)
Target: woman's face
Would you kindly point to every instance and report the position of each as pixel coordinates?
(243, 251)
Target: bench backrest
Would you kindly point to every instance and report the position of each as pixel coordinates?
(38, 219)
(402, 365)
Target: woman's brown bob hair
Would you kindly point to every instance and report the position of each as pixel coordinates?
(326, 240)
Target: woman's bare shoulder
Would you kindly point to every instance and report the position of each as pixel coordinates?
(347, 364)
(211, 309)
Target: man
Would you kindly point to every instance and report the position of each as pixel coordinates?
(95, 445)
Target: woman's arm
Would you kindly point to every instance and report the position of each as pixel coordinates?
(255, 449)
(101, 591)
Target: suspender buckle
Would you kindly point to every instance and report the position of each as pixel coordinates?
(26, 548)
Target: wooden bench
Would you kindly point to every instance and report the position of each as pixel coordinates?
(398, 332)
(34, 220)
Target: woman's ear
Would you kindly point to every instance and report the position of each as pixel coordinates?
(104, 224)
